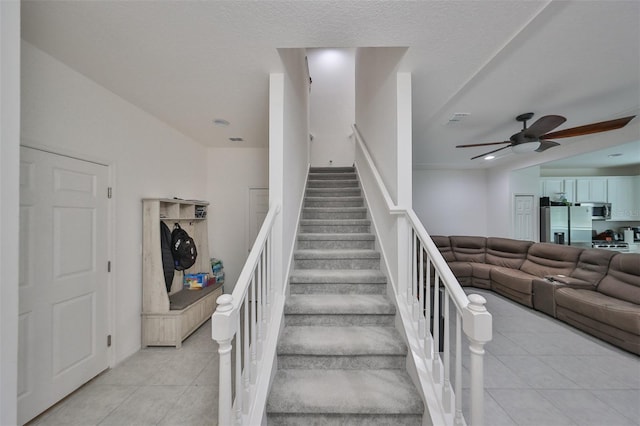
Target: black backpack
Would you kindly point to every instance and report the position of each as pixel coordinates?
(183, 249)
(167, 257)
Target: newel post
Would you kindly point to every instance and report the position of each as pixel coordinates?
(477, 325)
(223, 322)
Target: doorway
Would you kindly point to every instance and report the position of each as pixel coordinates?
(524, 217)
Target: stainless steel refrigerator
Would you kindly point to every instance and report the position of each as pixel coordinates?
(565, 224)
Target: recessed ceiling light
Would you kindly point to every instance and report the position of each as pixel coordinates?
(221, 122)
(236, 139)
(489, 157)
(618, 154)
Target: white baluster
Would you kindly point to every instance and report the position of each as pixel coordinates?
(477, 327)
(436, 330)
(223, 322)
(246, 370)
(458, 389)
(421, 323)
(446, 389)
(253, 331)
(239, 403)
(259, 307)
(428, 339)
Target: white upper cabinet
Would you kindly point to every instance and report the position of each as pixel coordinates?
(591, 189)
(623, 194)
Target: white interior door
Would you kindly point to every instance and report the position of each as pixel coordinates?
(524, 218)
(62, 335)
(258, 209)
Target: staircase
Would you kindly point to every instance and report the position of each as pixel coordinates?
(340, 358)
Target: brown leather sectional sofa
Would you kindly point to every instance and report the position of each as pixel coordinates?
(595, 290)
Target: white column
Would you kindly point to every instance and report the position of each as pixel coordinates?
(9, 207)
(276, 172)
(403, 173)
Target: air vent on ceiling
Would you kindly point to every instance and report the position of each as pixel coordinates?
(236, 139)
(457, 117)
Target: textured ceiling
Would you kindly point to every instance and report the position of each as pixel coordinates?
(189, 62)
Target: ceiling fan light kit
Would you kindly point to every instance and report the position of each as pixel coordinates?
(536, 137)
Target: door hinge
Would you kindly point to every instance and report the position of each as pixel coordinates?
(109, 192)
(109, 341)
(109, 266)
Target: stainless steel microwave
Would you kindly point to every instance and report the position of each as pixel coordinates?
(599, 211)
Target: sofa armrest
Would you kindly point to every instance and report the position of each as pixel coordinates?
(544, 291)
(569, 281)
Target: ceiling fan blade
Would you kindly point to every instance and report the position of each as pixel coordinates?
(544, 125)
(603, 126)
(481, 144)
(544, 145)
(490, 152)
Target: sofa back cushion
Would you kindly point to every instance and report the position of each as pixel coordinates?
(469, 249)
(507, 252)
(550, 259)
(592, 265)
(623, 278)
(443, 244)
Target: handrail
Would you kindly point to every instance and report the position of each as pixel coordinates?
(254, 254)
(248, 321)
(393, 209)
(426, 301)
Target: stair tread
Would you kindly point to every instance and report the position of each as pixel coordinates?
(365, 276)
(341, 341)
(336, 254)
(344, 391)
(338, 304)
(336, 209)
(335, 222)
(336, 236)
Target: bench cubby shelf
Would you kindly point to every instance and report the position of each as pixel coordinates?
(161, 325)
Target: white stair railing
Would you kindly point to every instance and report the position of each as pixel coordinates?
(245, 325)
(436, 353)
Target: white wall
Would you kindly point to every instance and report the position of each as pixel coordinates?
(452, 202)
(231, 172)
(332, 106)
(68, 113)
(296, 147)
(376, 103)
(9, 212)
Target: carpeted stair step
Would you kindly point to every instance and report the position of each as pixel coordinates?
(333, 183)
(341, 347)
(334, 202)
(337, 259)
(332, 170)
(339, 310)
(334, 226)
(348, 281)
(333, 192)
(334, 213)
(333, 176)
(343, 397)
(336, 241)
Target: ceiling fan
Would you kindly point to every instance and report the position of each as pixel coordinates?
(536, 137)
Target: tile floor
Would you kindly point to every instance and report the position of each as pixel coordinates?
(538, 371)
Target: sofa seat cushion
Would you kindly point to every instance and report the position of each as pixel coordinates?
(513, 279)
(481, 275)
(600, 307)
(462, 271)
(550, 259)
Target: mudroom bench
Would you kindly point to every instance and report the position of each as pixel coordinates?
(188, 310)
(170, 317)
